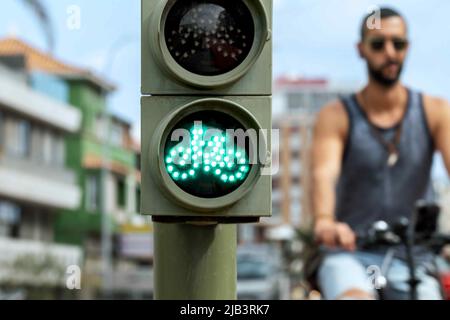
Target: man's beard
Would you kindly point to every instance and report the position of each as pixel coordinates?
(377, 74)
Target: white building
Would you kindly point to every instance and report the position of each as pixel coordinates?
(34, 182)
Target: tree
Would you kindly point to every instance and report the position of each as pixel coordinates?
(41, 12)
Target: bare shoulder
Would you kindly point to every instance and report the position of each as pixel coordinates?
(437, 111)
(333, 118)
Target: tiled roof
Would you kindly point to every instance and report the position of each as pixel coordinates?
(39, 61)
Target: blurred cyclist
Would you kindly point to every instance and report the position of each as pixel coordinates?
(372, 157)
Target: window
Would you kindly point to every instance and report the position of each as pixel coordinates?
(9, 219)
(121, 193)
(2, 132)
(117, 134)
(17, 137)
(92, 193)
(59, 151)
(138, 199)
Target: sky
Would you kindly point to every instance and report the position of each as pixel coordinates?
(312, 38)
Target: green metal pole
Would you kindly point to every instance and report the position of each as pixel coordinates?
(194, 262)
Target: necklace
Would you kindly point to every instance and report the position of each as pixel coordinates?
(390, 146)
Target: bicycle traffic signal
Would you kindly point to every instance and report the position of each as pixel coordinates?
(206, 126)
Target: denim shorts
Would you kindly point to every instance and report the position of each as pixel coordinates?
(342, 271)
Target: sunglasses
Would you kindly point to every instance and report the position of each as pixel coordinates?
(378, 44)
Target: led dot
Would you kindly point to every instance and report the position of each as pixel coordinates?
(216, 139)
(182, 163)
(214, 164)
(232, 178)
(196, 165)
(194, 131)
(191, 172)
(207, 168)
(239, 175)
(224, 177)
(230, 165)
(230, 152)
(200, 153)
(180, 149)
(202, 143)
(222, 152)
(170, 168)
(218, 158)
(227, 159)
(238, 154)
(200, 131)
(184, 176)
(176, 175)
(169, 160)
(185, 157)
(218, 172)
(210, 144)
(242, 161)
(206, 156)
(194, 157)
(222, 139)
(222, 164)
(216, 149)
(195, 149)
(173, 153)
(196, 137)
(207, 161)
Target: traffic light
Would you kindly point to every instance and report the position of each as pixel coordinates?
(206, 126)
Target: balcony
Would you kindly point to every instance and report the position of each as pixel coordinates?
(33, 263)
(26, 181)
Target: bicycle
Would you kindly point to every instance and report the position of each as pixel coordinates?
(406, 233)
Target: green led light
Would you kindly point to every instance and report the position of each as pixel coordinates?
(207, 158)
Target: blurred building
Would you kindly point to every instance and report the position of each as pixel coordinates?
(35, 184)
(104, 158)
(296, 102)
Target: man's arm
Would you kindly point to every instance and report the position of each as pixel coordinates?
(330, 134)
(438, 114)
(442, 138)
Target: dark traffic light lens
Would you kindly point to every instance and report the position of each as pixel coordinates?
(209, 38)
(208, 162)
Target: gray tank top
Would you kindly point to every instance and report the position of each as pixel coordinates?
(368, 189)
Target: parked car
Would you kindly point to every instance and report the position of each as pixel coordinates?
(259, 273)
(444, 276)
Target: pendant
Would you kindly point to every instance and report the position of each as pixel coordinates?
(393, 159)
